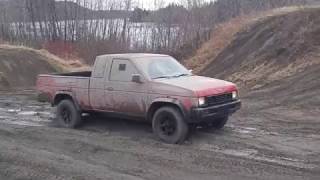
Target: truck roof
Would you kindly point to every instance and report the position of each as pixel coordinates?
(132, 55)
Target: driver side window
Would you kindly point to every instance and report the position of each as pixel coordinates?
(122, 70)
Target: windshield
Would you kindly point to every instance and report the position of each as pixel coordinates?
(163, 67)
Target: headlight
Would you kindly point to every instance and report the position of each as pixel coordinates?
(202, 101)
(234, 95)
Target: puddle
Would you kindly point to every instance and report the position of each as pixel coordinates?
(245, 130)
(21, 123)
(28, 113)
(25, 118)
(14, 110)
(250, 129)
(242, 153)
(38, 119)
(48, 114)
(34, 107)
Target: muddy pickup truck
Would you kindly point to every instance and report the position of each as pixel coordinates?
(148, 87)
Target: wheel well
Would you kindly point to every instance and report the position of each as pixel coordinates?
(157, 105)
(58, 98)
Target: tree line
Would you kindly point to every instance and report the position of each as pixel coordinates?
(113, 26)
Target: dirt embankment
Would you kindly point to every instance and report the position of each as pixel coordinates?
(19, 66)
(225, 33)
(277, 57)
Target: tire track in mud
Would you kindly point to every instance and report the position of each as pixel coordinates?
(142, 157)
(247, 143)
(244, 153)
(41, 164)
(129, 149)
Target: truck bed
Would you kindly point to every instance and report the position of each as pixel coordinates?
(75, 83)
(76, 74)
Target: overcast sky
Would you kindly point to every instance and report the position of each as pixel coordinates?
(150, 4)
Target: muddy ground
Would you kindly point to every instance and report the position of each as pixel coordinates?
(260, 142)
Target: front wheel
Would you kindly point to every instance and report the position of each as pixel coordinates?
(168, 124)
(67, 114)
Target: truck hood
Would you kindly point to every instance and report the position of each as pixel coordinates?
(201, 86)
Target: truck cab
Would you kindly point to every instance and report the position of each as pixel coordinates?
(149, 87)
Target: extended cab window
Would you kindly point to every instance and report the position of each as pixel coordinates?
(122, 70)
(99, 68)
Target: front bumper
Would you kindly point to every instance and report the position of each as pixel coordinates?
(209, 114)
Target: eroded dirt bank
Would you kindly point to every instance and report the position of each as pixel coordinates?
(260, 142)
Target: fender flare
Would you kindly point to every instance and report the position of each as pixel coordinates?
(68, 93)
(169, 100)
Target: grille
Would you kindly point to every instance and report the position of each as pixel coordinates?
(220, 99)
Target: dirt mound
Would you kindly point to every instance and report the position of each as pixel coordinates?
(223, 35)
(19, 66)
(279, 56)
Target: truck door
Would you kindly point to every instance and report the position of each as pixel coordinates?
(97, 85)
(127, 97)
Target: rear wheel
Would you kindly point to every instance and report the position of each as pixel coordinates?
(168, 124)
(67, 114)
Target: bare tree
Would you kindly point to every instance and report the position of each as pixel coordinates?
(102, 26)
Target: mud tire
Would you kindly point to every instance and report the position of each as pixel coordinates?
(169, 125)
(67, 114)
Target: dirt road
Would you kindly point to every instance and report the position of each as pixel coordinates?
(260, 142)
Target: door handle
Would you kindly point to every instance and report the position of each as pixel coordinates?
(110, 89)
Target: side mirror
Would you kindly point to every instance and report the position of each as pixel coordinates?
(136, 78)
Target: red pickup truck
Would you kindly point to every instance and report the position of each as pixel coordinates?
(150, 87)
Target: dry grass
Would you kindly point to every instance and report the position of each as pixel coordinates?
(58, 63)
(223, 35)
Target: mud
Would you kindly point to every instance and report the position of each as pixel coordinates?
(258, 143)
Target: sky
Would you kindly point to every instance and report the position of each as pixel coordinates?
(151, 4)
